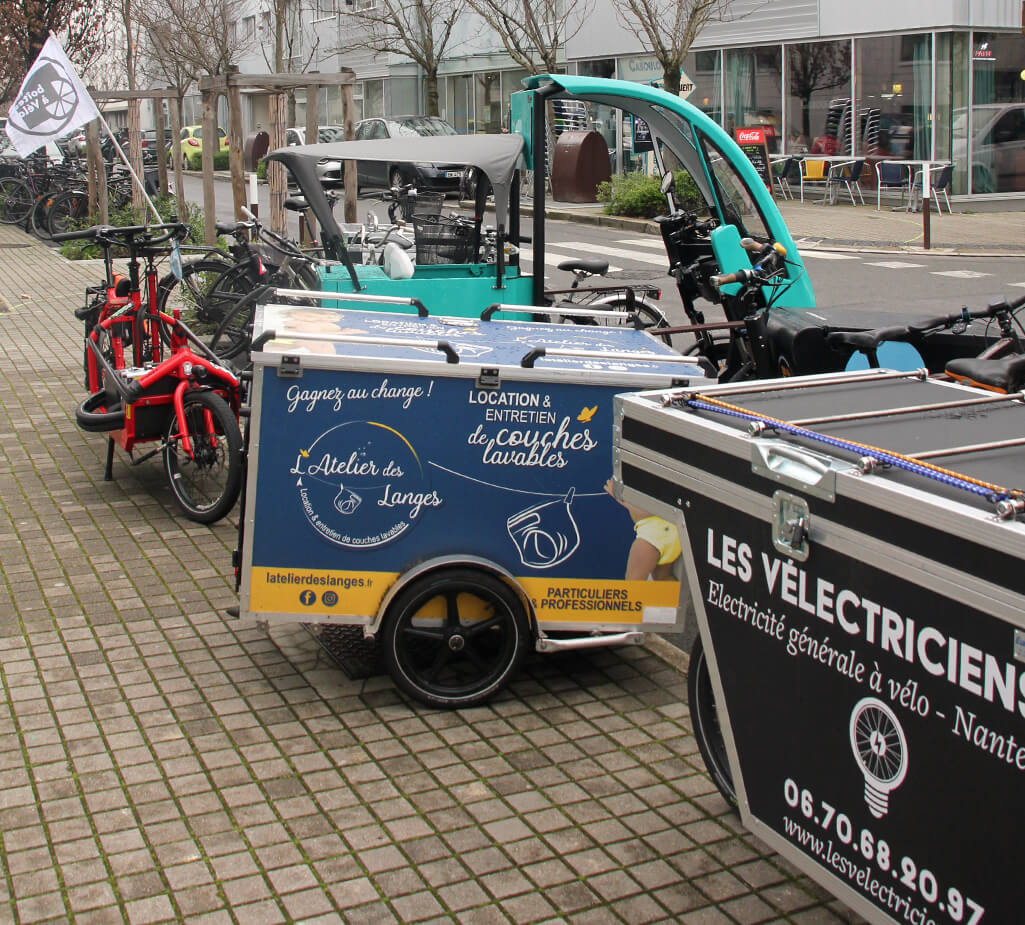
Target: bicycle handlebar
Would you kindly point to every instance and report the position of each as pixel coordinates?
(127, 232)
(767, 267)
(869, 340)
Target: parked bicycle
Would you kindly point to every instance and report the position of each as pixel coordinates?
(141, 390)
(607, 305)
(211, 296)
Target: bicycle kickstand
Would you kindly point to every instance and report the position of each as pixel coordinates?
(108, 472)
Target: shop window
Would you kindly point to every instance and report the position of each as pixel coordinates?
(704, 70)
(819, 94)
(754, 91)
(895, 97)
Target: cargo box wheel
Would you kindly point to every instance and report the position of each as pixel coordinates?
(704, 718)
(453, 638)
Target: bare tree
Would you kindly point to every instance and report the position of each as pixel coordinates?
(420, 30)
(668, 28)
(534, 32)
(79, 24)
(203, 34)
(293, 44)
(817, 66)
(161, 62)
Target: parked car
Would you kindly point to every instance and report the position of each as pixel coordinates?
(998, 147)
(329, 171)
(379, 174)
(192, 143)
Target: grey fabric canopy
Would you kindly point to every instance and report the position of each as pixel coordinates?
(496, 155)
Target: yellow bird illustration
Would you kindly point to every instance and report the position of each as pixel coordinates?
(586, 414)
(305, 454)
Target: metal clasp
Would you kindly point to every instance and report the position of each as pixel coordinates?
(790, 525)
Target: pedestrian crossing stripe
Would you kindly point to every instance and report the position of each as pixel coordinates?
(960, 274)
(827, 255)
(648, 241)
(553, 258)
(895, 264)
(600, 250)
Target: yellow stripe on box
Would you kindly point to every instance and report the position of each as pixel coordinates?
(326, 592)
(318, 591)
(575, 600)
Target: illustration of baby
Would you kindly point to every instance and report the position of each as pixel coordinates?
(655, 548)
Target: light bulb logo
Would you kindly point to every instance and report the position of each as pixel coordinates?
(881, 750)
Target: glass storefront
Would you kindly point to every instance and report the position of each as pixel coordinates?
(997, 124)
(952, 67)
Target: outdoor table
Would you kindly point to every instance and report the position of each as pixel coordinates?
(924, 167)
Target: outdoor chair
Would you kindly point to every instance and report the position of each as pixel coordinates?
(940, 182)
(892, 176)
(813, 171)
(784, 170)
(847, 175)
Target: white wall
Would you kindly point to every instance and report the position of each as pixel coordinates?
(922, 15)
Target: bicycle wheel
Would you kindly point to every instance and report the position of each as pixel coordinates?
(16, 200)
(235, 334)
(650, 317)
(207, 482)
(704, 717)
(67, 211)
(37, 222)
(207, 292)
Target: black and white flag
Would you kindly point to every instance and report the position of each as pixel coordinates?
(52, 101)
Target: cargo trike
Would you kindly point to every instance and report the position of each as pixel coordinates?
(443, 482)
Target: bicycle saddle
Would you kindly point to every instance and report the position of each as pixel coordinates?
(867, 340)
(587, 265)
(1006, 374)
(296, 204)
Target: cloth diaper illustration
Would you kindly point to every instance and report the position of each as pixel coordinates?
(346, 501)
(545, 534)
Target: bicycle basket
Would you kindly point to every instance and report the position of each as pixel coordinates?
(426, 203)
(440, 239)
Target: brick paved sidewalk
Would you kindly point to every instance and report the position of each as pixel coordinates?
(160, 762)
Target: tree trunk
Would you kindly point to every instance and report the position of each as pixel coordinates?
(211, 145)
(431, 100)
(671, 77)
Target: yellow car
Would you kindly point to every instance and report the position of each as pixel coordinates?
(192, 145)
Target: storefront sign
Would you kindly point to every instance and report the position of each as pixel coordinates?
(753, 141)
(647, 69)
(641, 135)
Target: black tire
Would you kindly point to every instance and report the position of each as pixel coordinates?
(206, 484)
(704, 718)
(466, 656)
(205, 295)
(38, 222)
(16, 200)
(234, 335)
(67, 211)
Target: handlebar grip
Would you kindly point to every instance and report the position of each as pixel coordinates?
(77, 235)
(724, 279)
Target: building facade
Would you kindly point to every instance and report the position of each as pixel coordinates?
(923, 79)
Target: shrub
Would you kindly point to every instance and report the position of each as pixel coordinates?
(261, 169)
(195, 160)
(167, 206)
(638, 194)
